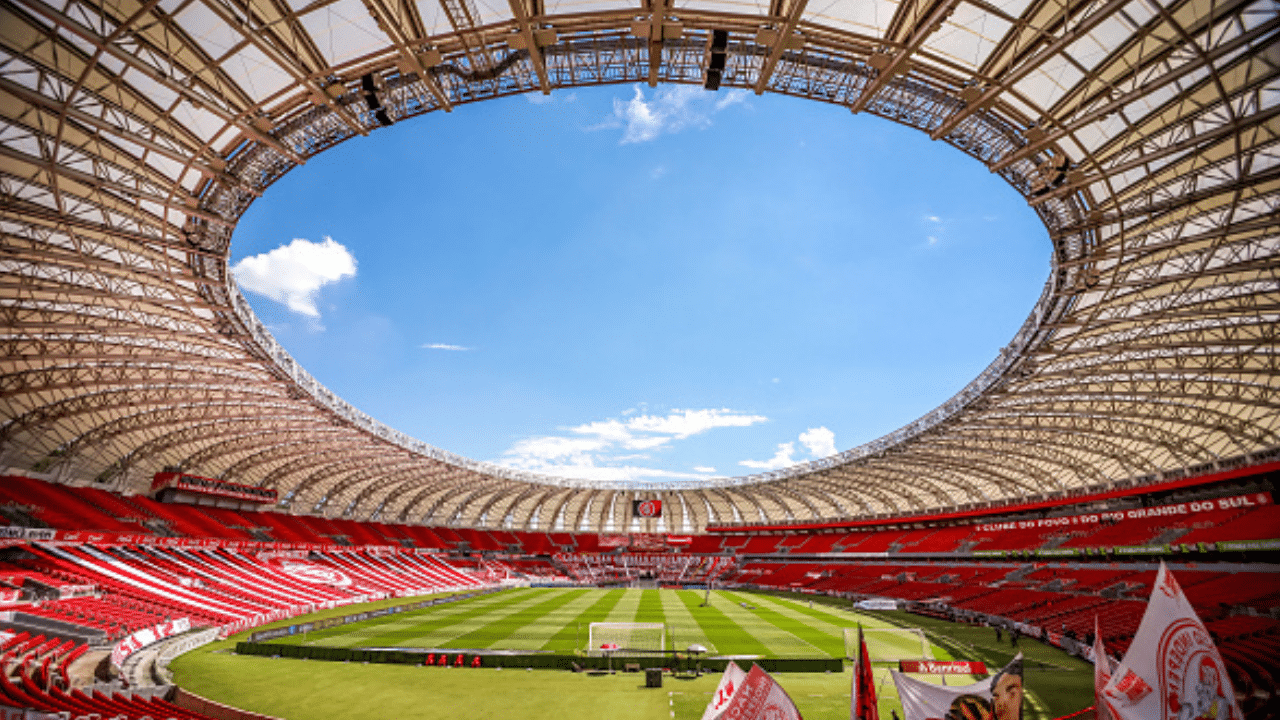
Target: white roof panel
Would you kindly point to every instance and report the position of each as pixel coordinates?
(866, 17)
(968, 37)
(343, 31)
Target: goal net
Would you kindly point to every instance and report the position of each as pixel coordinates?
(626, 638)
(886, 644)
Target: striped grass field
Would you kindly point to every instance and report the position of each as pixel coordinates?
(549, 619)
(557, 619)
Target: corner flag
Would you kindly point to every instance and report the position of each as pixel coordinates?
(863, 693)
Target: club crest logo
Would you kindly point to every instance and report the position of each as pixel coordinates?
(311, 572)
(1193, 681)
(649, 508)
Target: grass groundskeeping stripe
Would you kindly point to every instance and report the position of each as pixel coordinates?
(533, 634)
(681, 626)
(727, 635)
(573, 636)
(627, 607)
(496, 621)
(493, 634)
(817, 638)
(406, 633)
(650, 608)
(370, 626)
(778, 642)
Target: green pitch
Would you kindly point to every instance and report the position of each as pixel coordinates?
(556, 620)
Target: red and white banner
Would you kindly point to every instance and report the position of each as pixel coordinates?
(145, 637)
(729, 684)
(613, 540)
(648, 541)
(757, 697)
(943, 667)
(999, 697)
(1173, 670)
(1187, 509)
(679, 539)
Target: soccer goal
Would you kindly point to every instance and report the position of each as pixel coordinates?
(888, 644)
(626, 638)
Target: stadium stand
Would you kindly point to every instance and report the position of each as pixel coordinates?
(112, 566)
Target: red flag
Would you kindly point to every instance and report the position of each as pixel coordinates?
(863, 705)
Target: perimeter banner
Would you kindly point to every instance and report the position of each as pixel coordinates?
(999, 697)
(942, 667)
(145, 637)
(1176, 510)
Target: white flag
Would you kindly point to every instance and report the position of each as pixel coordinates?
(730, 682)
(999, 697)
(1103, 668)
(1173, 670)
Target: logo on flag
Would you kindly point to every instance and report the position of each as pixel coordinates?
(646, 508)
(1173, 670)
(753, 696)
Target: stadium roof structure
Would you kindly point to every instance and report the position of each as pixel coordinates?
(136, 133)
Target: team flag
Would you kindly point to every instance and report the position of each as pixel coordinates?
(999, 697)
(1103, 667)
(753, 696)
(863, 703)
(1173, 670)
(729, 684)
(646, 508)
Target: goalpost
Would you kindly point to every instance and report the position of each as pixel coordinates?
(888, 644)
(630, 638)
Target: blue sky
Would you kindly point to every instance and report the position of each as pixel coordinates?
(624, 283)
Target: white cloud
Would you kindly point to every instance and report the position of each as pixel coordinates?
(731, 97)
(293, 274)
(670, 110)
(685, 423)
(598, 450)
(445, 346)
(555, 449)
(780, 459)
(820, 441)
(703, 469)
(935, 228)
